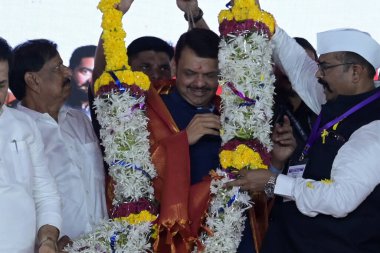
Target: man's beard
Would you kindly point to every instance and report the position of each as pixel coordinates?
(325, 84)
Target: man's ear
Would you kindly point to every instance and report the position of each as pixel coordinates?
(358, 72)
(32, 81)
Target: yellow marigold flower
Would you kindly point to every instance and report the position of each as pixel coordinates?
(103, 80)
(309, 185)
(127, 77)
(142, 80)
(269, 20)
(143, 216)
(155, 231)
(225, 14)
(112, 19)
(240, 14)
(242, 157)
(114, 48)
(254, 13)
(225, 157)
(105, 5)
(248, 10)
(327, 181)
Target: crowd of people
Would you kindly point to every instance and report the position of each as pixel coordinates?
(323, 183)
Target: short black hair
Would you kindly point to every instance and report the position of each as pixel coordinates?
(29, 56)
(148, 43)
(204, 42)
(5, 51)
(306, 45)
(80, 53)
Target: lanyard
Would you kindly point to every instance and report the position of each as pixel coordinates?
(317, 131)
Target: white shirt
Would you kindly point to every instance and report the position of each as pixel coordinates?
(76, 162)
(355, 170)
(28, 194)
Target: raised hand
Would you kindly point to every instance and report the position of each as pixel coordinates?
(124, 5)
(201, 125)
(188, 6)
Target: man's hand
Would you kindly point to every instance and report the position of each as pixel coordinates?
(48, 246)
(188, 6)
(124, 5)
(63, 242)
(201, 125)
(284, 143)
(47, 239)
(251, 180)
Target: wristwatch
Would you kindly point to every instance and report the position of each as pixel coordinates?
(269, 187)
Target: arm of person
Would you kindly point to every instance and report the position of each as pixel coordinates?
(299, 68)
(100, 60)
(354, 175)
(46, 196)
(192, 13)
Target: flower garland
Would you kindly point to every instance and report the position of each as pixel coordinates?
(247, 99)
(245, 63)
(120, 104)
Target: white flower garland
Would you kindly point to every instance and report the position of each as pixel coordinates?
(124, 136)
(225, 217)
(246, 64)
(135, 237)
(245, 61)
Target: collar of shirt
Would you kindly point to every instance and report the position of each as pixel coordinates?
(63, 112)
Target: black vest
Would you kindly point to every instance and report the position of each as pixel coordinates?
(292, 232)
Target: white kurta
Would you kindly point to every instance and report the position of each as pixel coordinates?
(76, 162)
(28, 194)
(356, 168)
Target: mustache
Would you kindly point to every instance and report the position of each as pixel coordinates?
(324, 84)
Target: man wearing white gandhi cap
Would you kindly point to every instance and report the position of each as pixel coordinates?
(334, 205)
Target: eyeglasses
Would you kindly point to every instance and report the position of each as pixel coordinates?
(322, 67)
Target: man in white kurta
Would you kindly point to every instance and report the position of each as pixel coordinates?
(334, 206)
(28, 193)
(29, 200)
(76, 163)
(72, 149)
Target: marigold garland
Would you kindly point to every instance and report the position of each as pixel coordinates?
(247, 99)
(120, 104)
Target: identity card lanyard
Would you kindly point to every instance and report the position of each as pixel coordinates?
(316, 131)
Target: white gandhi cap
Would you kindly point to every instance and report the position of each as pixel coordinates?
(350, 40)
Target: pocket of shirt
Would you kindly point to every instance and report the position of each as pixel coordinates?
(22, 164)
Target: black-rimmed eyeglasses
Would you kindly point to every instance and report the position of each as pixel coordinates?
(323, 67)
